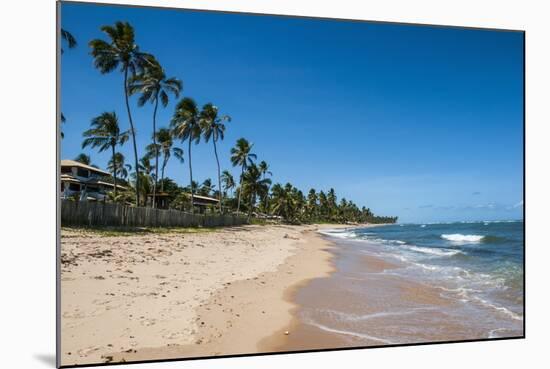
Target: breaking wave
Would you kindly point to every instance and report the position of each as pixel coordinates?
(457, 237)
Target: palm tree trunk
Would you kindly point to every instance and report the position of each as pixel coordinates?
(251, 205)
(191, 179)
(133, 132)
(156, 150)
(114, 168)
(219, 176)
(162, 174)
(266, 208)
(240, 190)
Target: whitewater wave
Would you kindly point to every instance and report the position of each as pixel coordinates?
(338, 233)
(457, 237)
(500, 309)
(356, 318)
(351, 333)
(434, 251)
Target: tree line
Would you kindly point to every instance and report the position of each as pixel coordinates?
(252, 193)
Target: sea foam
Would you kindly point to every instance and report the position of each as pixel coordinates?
(434, 251)
(457, 237)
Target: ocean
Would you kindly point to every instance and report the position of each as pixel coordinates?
(408, 283)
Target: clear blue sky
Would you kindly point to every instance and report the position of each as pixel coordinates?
(425, 123)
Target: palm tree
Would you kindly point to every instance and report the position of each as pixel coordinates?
(153, 85)
(254, 184)
(68, 38)
(206, 187)
(122, 51)
(323, 205)
(213, 127)
(331, 200)
(164, 145)
(71, 43)
(241, 156)
(228, 181)
(186, 126)
(104, 134)
(117, 165)
(281, 201)
(84, 159)
(312, 204)
(264, 169)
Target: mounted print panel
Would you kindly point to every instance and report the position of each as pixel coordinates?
(239, 184)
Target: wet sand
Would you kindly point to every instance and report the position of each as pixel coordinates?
(362, 304)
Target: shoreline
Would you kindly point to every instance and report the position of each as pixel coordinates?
(232, 314)
(372, 299)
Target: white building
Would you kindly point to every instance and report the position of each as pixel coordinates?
(84, 181)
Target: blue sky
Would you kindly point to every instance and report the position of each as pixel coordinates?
(425, 123)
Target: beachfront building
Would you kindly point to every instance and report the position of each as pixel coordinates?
(84, 182)
(162, 200)
(202, 202)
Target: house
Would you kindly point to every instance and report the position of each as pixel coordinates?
(87, 182)
(162, 200)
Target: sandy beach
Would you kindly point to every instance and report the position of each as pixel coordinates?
(174, 295)
(242, 290)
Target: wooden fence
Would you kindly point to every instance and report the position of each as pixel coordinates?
(86, 213)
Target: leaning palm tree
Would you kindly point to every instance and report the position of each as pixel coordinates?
(122, 52)
(186, 126)
(153, 85)
(241, 156)
(104, 134)
(213, 127)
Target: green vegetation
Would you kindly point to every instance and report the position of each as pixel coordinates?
(251, 193)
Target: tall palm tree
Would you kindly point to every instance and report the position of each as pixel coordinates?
(213, 127)
(165, 146)
(104, 134)
(241, 156)
(117, 165)
(186, 126)
(121, 51)
(84, 159)
(254, 185)
(153, 85)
